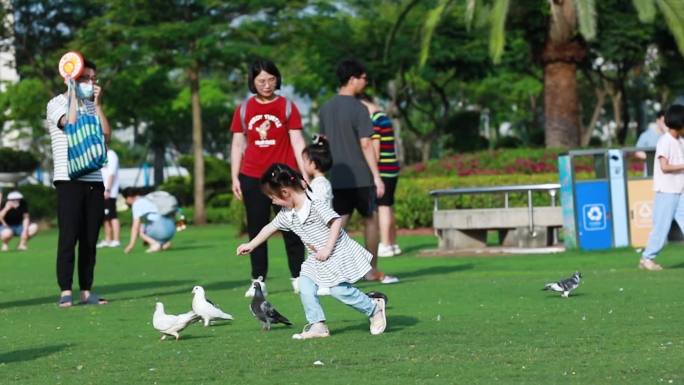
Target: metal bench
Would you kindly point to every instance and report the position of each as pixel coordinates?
(517, 226)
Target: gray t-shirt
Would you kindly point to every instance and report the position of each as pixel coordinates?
(344, 121)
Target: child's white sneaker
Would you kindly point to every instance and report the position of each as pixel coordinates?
(295, 284)
(114, 244)
(102, 244)
(396, 249)
(378, 321)
(385, 250)
(314, 330)
(323, 291)
(250, 291)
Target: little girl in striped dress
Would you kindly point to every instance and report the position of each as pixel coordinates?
(334, 260)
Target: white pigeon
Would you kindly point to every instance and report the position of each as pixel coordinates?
(169, 324)
(565, 286)
(206, 309)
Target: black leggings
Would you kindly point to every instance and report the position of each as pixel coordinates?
(258, 207)
(80, 210)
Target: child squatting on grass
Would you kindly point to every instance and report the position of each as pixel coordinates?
(334, 260)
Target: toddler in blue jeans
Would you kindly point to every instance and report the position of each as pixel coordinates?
(334, 260)
(668, 183)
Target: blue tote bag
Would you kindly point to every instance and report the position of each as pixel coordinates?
(86, 145)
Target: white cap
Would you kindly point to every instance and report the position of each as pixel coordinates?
(14, 195)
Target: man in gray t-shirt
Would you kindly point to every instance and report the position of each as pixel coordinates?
(354, 175)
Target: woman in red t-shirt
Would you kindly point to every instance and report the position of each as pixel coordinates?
(267, 129)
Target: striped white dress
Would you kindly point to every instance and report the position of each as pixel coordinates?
(348, 262)
(56, 108)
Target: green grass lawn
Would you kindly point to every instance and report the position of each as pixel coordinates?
(451, 321)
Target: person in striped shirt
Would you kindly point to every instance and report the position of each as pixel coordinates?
(80, 202)
(334, 259)
(386, 155)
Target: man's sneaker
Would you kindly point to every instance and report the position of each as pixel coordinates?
(102, 244)
(378, 322)
(250, 291)
(323, 291)
(314, 330)
(114, 244)
(295, 284)
(389, 279)
(385, 250)
(648, 264)
(396, 249)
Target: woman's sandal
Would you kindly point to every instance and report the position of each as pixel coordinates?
(65, 301)
(94, 299)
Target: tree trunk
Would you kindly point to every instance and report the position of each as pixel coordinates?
(394, 114)
(616, 98)
(200, 216)
(561, 111)
(159, 161)
(598, 106)
(561, 114)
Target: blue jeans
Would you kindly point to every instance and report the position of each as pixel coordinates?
(666, 207)
(344, 292)
(16, 229)
(161, 230)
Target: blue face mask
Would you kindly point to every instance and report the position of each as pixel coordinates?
(85, 90)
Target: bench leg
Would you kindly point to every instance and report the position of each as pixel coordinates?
(452, 239)
(522, 237)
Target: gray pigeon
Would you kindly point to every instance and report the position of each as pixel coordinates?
(169, 324)
(565, 286)
(264, 312)
(206, 309)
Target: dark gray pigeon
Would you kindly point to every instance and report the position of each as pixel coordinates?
(565, 286)
(264, 312)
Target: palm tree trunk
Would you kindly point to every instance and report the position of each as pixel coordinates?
(561, 120)
(200, 216)
(561, 110)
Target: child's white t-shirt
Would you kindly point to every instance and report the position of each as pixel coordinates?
(672, 149)
(322, 190)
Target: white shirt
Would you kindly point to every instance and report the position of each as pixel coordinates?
(322, 190)
(348, 262)
(672, 149)
(56, 108)
(111, 168)
(144, 209)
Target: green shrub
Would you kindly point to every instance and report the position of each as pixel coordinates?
(216, 175)
(17, 161)
(42, 201)
(181, 188)
(220, 200)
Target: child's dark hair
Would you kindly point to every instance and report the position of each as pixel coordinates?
(280, 176)
(349, 68)
(674, 117)
(319, 153)
(133, 191)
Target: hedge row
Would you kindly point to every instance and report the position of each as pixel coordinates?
(413, 204)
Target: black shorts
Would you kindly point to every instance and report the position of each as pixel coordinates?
(110, 209)
(390, 188)
(362, 199)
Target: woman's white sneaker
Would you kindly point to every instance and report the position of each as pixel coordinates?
(250, 291)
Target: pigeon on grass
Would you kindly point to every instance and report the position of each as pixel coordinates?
(264, 312)
(206, 309)
(169, 324)
(565, 286)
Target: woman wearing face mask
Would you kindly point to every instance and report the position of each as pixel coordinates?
(267, 129)
(80, 202)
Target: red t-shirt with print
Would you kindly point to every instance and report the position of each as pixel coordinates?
(268, 136)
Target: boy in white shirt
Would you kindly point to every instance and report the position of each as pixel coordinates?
(668, 183)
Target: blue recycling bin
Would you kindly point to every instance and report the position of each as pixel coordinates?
(594, 210)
